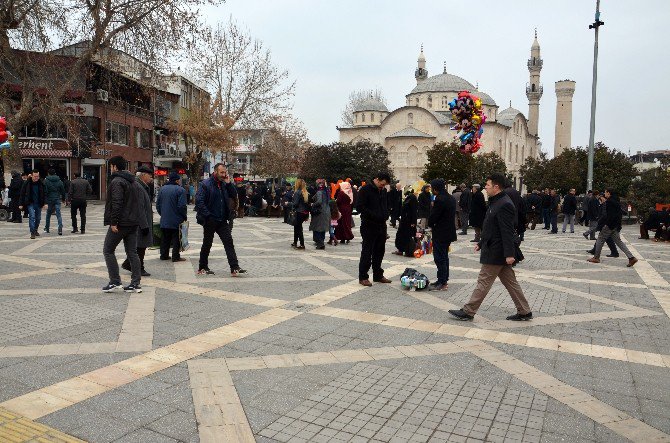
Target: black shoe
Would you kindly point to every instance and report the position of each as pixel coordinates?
(237, 271)
(460, 314)
(32, 236)
(145, 273)
(165, 258)
(474, 241)
(205, 271)
(60, 231)
(612, 255)
(125, 265)
(591, 251)
(586, 235)
(83, 231)
(321, 247)
(46, 230)
(521, 317)
(133, 288)
(112, 287)
(37, 234)
(178, 259)
(74, 231)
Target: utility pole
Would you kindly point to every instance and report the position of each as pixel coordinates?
(595, 25)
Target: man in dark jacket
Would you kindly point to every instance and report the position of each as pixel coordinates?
(534, 208)
(286, 202)
(423, 211)
(520, 207)
(145, 238)
(465, 202)
(611, 227)
(442, 221)
(54, 191)
(546, 208)
(123, 215)
(34, 200)
(15, 195)
(395, 203)
(554, 203)
(498, 254)
(569, 210)
(477, 211)
(372, 204)
(79, 189)
(213, 206)
(171, 206)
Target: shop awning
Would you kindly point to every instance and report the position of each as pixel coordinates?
(46, 153)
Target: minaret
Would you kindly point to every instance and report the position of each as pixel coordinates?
(534, 88)
(421, 72)
(565, 89)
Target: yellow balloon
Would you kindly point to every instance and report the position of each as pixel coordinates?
(478, 103)
(476, 119)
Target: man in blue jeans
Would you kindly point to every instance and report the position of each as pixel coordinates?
(54, 191)
(33, 199)
(442, 221)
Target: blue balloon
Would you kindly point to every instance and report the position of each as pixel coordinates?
(5, 145)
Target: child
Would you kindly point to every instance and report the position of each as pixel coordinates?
(334, 217)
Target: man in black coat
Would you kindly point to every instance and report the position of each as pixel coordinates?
(372, 204)
(498, 254)
(15, 196)
(611, 225)
(534, 208)
(442, 221)
(395, 203)
(477, 211)
(465, 202)
(520, 207)
(569, 210)
(554, 203)
(33, 200)
(546, 208)
(424, 206)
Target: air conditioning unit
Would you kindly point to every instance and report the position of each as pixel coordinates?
(102, 95)
(161, 152)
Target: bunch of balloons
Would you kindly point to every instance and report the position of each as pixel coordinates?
(5, 135)
(468, 116)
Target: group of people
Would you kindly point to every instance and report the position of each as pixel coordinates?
(29, 194)
(658, 222)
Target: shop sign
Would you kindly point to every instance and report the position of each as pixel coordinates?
(43, 144)
(160, 172)
(78, 109)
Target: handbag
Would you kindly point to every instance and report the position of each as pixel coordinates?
(183, 236)
(292, 217)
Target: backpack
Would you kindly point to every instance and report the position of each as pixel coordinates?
(413, 280)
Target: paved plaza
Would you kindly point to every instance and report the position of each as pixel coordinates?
(298, 351)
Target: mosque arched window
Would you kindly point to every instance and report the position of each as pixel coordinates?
(363, 117)
(372, 117)
(516, 153)
(533, 65)
(410, 118)
(356, 118)
(430, 101)
(445, 101)
(500, 147)
(533, 87)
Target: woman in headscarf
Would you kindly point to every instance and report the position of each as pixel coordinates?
(345, 201)
(406, 235)
(320, 223)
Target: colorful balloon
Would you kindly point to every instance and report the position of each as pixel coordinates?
(466, 112)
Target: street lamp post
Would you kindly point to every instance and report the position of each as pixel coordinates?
(595, 25)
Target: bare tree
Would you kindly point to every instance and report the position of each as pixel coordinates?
(241, 76)
(356, 98)
(283, 148)
(38, 36)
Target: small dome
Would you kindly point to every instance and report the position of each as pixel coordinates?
(443, 83)
(486, 99)
(506, 116)
(371, 104)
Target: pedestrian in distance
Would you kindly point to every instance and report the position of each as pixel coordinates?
(54, 191)
(300, 204)
(372, 204)
(172, 207)
(465, 203)
(145, 238)
(546, 208)
(477, 211)
(345, 201)
(395, 203)
(554, 203)
(123, 215)
(569, 210)
(405, 237)
(80, 188)
(611, 225)
(320, 222)
(520, 206)
(33, 199)
(592, 215)
(498, 253)
(214, 206)
(15, 186)
(424, 206)
(442, 222)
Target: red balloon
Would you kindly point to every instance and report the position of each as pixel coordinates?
(3, 136)
(3, 123)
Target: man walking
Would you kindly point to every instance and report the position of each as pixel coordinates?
(123, 215)
(442, 221)
(286, 202)
(464, 203)
(33, 200)
(79, 189)
(171, 206)
(534, 208)
(15, 186)
(569, 210)
(55, 194)
(477, 211)
(373, 206)
(213, 206)
(611, 228)
(546, 208)
(145, 237)
(520, 207)
(593, 214)
(498, 252)
(554, 202)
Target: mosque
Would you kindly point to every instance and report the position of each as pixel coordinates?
(410, 131)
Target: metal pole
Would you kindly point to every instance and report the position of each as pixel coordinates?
(596, 24)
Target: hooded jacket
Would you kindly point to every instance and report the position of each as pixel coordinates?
(442, 219)
(54, 189)
(122, 207)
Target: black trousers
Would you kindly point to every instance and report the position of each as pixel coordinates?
(372, 254)
(298, 235)
(16, 212)
(141, 252)
(80, 205)
(222, 229)
(169, 238)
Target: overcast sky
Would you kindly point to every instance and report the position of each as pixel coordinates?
(334, 47)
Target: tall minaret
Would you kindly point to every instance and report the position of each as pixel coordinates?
(421, 72)
(565, 89)
(534, 88)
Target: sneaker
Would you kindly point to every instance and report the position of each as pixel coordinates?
(460, 314)
(521, 317)
(32, 236)
(74, 231)
(631, 262)
(46, 230)
(37, 234)
(205, 271)
(145, 273)
(237, 271)
(112, 287)
(133, 288)
(586, 235)
(60, 231)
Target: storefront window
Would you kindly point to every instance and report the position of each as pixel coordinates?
(117, 133)
(44, 164)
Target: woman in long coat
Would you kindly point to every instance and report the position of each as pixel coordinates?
(345, 201)
(320, 223)
(407, 227)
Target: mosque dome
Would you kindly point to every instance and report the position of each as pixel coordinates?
(371, 104)
(446, 82)
(506, 117)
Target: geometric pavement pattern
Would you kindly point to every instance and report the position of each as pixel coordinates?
(298, 351)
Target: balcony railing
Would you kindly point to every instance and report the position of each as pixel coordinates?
(537, 63)
(538, 90)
